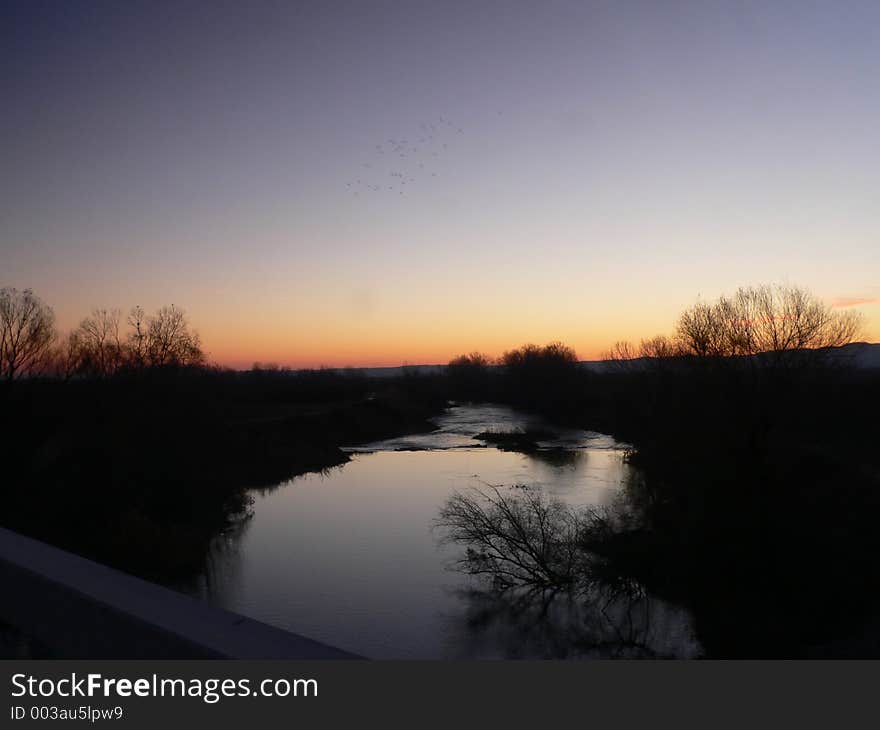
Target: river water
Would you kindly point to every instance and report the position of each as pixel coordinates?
(352, 557)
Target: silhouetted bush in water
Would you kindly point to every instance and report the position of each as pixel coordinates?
(519, 541)
(544, 581)
(519, 538)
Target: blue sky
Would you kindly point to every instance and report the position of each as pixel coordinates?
(575, 171)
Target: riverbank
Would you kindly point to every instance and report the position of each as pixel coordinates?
(140, 474)
(760, 495)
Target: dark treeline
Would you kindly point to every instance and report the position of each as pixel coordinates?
(102, 344)
(756, 442)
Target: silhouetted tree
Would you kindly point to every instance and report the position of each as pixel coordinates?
(532, 358)
(541, 375)
(469, 375)
(27, 331)
(659, 348)
(621, 356)
(164, 339)
(522, 540)
(137, 338)
(64, 360)
(770, 325)
(774, 320)
(266, 367)
(95, 347)
(471, 360)
(650, 352)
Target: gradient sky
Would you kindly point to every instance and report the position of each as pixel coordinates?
(616, 160)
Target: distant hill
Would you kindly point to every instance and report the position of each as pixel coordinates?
(864, 354)
(393, 372)
(859, 354)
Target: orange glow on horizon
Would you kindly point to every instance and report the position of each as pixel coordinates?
(414, 350)
(312, 334)
(404, 343)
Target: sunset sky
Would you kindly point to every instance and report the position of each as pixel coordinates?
(575, 171)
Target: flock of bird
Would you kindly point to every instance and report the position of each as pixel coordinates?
(398, 164)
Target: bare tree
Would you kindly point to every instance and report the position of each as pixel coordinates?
(137, 340)
(701, 330)
(767, 320)
(469, 374)
(95, 346)
(545, 579)
(27, 331)
(658, 348)
(553, 356)
(66, 358)
(515, 541)
(654, 353)
(171, 341)
(621, 351)
(775, 326)
(474, 360)
(98, 347)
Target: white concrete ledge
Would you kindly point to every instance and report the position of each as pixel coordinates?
(83, 610)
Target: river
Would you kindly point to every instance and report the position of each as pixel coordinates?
(352, 557)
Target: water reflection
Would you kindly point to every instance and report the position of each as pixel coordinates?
(560, 458)
(350, 557)
(562, 625)
(545, 590)
(223, 562)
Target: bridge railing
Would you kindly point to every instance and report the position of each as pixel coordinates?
(83, 610)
